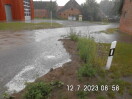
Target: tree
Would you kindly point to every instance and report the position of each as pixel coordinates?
(117, 9)
(90, 10)
(107, 7)
(52, 6)
(111, 7)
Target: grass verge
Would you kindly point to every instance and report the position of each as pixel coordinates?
(94, 56)
(15, 26)
(111, 30)
(40, 90)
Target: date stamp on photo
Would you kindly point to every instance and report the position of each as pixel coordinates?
(93, 88)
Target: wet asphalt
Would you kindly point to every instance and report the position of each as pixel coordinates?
(42, 51)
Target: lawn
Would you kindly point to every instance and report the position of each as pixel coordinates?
(15, 26)
(121, 65)
(111, 30)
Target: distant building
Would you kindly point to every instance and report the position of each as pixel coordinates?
(70, 11)
(59, 7)
(41, 8)
(16, 10)
(126, 17)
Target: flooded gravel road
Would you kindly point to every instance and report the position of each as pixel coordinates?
(39, 51)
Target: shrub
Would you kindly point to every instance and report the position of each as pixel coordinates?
(57, 84)
(73, 35)
(101, 97)
(6, 96)
(111, 94)
(82, 94)
(87, 71)
(87, 49)
(37, 90)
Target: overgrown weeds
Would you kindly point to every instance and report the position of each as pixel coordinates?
(111, 30)
(73, 35)
(37, 90)
(87, 71)
(87, 50)
(82, 94)
(17, 26)
(41, 90)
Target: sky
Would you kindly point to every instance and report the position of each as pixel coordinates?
(63, 2)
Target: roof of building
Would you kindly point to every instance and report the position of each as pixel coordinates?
(70, 4)
(42, 4)
(59, 7)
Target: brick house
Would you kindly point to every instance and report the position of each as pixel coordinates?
(41, 8)
(70, 11)
(16, 10)
(126, 17)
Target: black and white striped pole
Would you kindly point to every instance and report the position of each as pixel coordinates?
(111, 54)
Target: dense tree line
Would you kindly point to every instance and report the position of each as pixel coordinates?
(52, 6)
(111, 7)
(91, 10)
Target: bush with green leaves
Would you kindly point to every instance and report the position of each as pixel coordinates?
(38, 90)
(82, 94)
(73, 35)
(101, 97)
(87, 49)
(6, 96)
(57, 84)
(87, 70)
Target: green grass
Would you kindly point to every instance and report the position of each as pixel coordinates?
(87, 71)
(101, 97)
(87, 52)
(27, 26)
(40, 90)
(87, 49)
(82, 94)
(94, 57)
(111, 30)
(122, 60)
(37, 91)
(73, 35)
(111, 94)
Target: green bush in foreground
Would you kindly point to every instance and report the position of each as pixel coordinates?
(87, 50)
(82, 94)
(73, 35)
(101, 97)
(87, 71)
(39, 90)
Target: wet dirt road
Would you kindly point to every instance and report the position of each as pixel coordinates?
(40, 50)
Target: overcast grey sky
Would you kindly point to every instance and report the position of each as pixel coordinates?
(63, 2)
